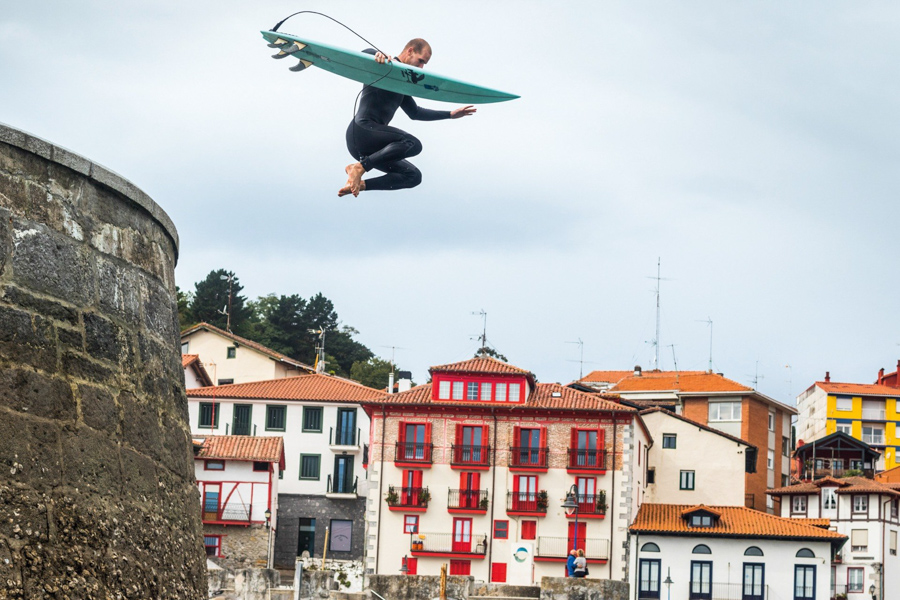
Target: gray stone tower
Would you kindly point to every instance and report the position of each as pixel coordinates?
(97, 493)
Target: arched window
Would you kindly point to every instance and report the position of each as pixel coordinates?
(701, 549)
(805, 553)
(753, 551)
(649, 547)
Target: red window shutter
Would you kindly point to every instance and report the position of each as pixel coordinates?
(460, 567)
(401, 434)
(515, 485)
(600, 442)
(543, 437)
(413, 565)
(498, 573)
(427, 433)
(417, 479)
(529, 530)
(485, 432)
(573, 442)
(476, 481)
(517, 437)
(459, 434)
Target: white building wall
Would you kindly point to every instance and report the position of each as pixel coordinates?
(718, 464)
(241, 486)
(190, 379)
(811, 420)
(247, 366)
(727, 556)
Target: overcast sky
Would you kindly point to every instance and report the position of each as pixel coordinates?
(751, 147)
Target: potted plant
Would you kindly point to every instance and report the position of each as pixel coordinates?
(392, 497)
(601, 502)
(424, 496)
(483, 504)
(542, 500)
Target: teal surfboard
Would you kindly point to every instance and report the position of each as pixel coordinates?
(394, 76)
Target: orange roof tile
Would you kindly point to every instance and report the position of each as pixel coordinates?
(188, 359)
(482, 364)
(659, 409)
(822, 523)
(242, 448)
(682, 381)
(862, 389)
(605, 376)
(193, 361)
(249, 343)
(845, 485)
(734, 521)
(315, 386)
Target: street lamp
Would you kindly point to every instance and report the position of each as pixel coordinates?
(572, 503)
(404, 566)
(669, 583)
(268, 515)
(872, 591)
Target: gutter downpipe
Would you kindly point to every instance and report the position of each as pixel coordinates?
(493, 491)
(380, 487)
(883, 561)
(613, 494)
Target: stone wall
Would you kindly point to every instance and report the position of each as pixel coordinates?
(291, 507)
(575, 588)
(242, 547)
(97, 494)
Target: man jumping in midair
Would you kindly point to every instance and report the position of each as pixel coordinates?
(379, 146)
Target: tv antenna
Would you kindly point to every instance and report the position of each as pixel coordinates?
(580, 358)
(757, 376)
(674, 360)
(393, 349)
(483, 337)
(709, 322)
(655, 341)
(320, 349)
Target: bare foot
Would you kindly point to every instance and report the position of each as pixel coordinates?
(354, 183)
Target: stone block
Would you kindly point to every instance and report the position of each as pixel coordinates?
(90, 460)
(139, 479)
(104, 339)
(76, 364)
(98, 408)
(140, 425)
(73, 161)
(6, 241)
(48, 308)
(72, 339)
(26, 391)
(577, 588)
(119, 291)
(53, 264)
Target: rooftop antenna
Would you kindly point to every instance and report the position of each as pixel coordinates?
(483, 336)
(757, 376)
(790, 381)
(393, 349)
(655, 342)
(709, 322)
(580, 359)
(320, 350)
(674, 360)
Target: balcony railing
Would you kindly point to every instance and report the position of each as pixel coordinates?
(591, 504)
(839, 590)
(528, 457)
(470, 456)
(235, 513)
(873, 440)
(467, 499)
(873, 414)
(527, 502)
(739, 591)
(810, 473)
(408, 497)
(588, 460)
(444, 543)
(413, 452)
(342, 485)
(344, 437)
(558, 547)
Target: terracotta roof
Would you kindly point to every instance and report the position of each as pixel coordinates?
(682, 381)
(544, 395)
(249, 343)
(861, 485)
(316, 386)
(242, 447)
(845, 485)
(700, 508)
(188, 359)
(605, 376)
(822, 523)
(482, 364)
(193, 361)
(669, 413)
(861, 389)
(735, 521)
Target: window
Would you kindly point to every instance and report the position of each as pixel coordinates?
(873, 435)
(804, 582)
(501, 530)
(701, 521)
(486, 395)
(669, 440)
(410, 523)
(859, 540)
(770, 501)
(770, 459)
(242, 420)
(855, 579)
(894, 506)
(785, 446)
(213, 544)
(648, 573)
(460, 567)
(892, 544)
(805, 553)
(701, 549)
(341, 537)
(785, 481)
(754, 581)
(184, 347)
(771, 421)
(214, 465)
(843, 404)
(444, 390)
(724, 411)
(457, 390)
(649, 547)
(529, 530)
(829, 498)
(312, 418)
(498, 573)
(860, 503)
(686, 481)
(844, 428)
(753, 551)
(798, 504)
(472, 390)
(501, 392)
(231, 352)
(280, 474)
(259, 465)
(310, 466)
(345, 427)
(275, 417)
(651, 476)
(209, 415)
(514, 392)
(701, 580)
(225, 381)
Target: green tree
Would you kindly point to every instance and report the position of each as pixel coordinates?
(374, 372)
(185, 317)
(211, 302)
(488, 351)
(345, 349)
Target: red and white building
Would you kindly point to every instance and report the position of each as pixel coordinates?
(238, 481)
(473, 469)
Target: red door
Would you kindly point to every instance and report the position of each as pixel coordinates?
(469, 489)
(577, 537)
(462, 535)
(587, 495)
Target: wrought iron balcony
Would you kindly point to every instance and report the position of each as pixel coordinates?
(408, 497)
(595, 549)
(467, 500)
(232, 513)
(590, 505)
(448, 543)
(528, 457)
(586, 460)
(341, 485)
(346, 438)
(470, 456)
(527, 502)
(413, 452)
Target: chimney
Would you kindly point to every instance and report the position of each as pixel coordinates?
(404, 381)
(391, 383)
(637, 370)
(827, 376)
(880, 374)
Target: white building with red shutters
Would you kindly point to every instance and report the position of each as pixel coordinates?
(473, 469)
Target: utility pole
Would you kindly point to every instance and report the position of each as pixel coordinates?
(483, 336)
(229, 278)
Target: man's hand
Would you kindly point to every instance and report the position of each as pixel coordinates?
(381, 58)
(463, 111)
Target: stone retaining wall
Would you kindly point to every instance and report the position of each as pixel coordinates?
(97, 492)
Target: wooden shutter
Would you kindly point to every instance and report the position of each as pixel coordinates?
(498, 573)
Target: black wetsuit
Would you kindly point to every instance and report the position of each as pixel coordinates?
(377, 145)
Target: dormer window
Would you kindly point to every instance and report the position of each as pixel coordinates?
(444, 390)
(457, 390)
(700, 517)
(701, 520)
(514, 392)
(501, 392)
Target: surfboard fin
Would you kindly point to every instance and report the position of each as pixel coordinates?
(279, 43)
(300, 66)
(288, 50)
